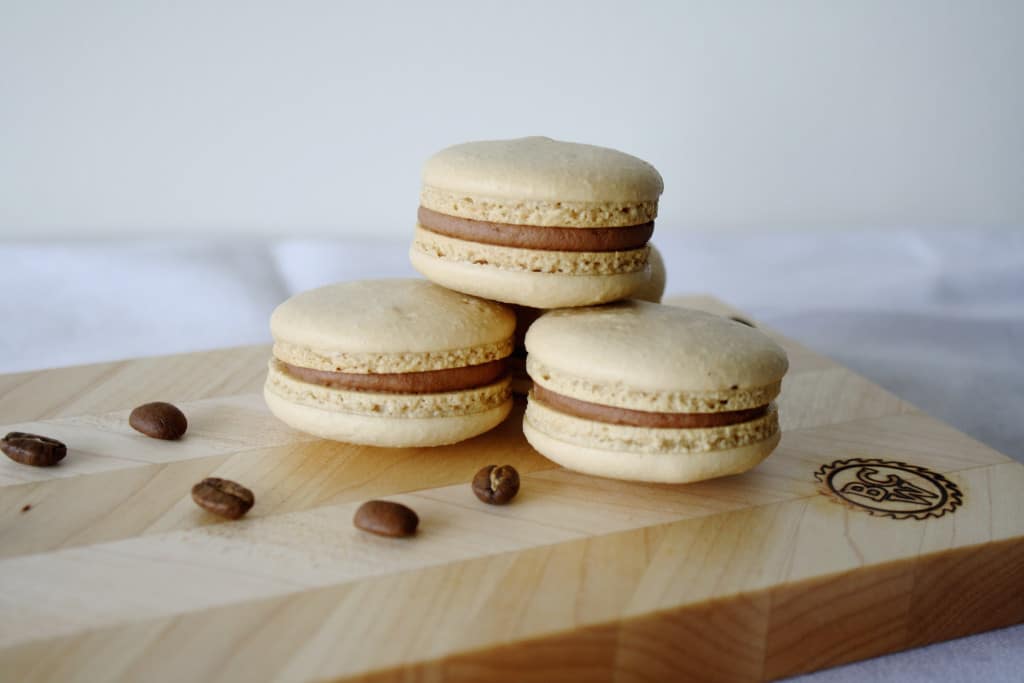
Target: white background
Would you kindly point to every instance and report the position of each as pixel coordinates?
(313, 118)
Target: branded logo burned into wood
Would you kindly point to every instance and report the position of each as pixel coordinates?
(891, 489)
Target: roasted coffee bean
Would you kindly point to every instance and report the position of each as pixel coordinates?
(742, 321)
(26, 507)
(32, 449)
(384, 518)
(223, 497)
(496, 485)
(159, 420)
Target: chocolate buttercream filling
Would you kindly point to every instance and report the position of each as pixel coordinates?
(428, 382)
(537, 237)
(642, 418)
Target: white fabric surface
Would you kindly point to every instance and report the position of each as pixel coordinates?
(937, 318)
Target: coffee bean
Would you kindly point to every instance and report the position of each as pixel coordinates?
(385, 518)
(32, 449)
(742, 321)
(159, 420)
(496, 485)
(26, 507)
(223, 497)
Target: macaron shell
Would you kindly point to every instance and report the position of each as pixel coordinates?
(652, 349)
(389, 432)
(668, 468)
(538, 290)
(539, 168)
(338, 361)
(377, 318)
(539, 212)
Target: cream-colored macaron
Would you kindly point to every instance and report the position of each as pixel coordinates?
(390, 363)
(641, 391)
(536, 222)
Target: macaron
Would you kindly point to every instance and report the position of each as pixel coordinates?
(647, 392)
(653, 289)
(396, 363)
(536, 222)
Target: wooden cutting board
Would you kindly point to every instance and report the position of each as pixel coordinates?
(873, 528)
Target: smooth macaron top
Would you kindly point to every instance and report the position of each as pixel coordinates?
(650, 356)
(539, 168)
(395, 325)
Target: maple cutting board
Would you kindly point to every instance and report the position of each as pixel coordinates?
(873, 528)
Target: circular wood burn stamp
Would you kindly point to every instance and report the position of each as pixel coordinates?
(885, 488)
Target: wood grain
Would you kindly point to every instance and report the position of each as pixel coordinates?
(113, 574)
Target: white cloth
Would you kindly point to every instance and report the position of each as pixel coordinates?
(937, 318)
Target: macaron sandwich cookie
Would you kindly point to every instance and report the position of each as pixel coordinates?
(646, 392)
(536, 222)
(390, 363)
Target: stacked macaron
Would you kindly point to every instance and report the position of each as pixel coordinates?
(390, 363)
(537, 222)
(642, 391)
(631, 390)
